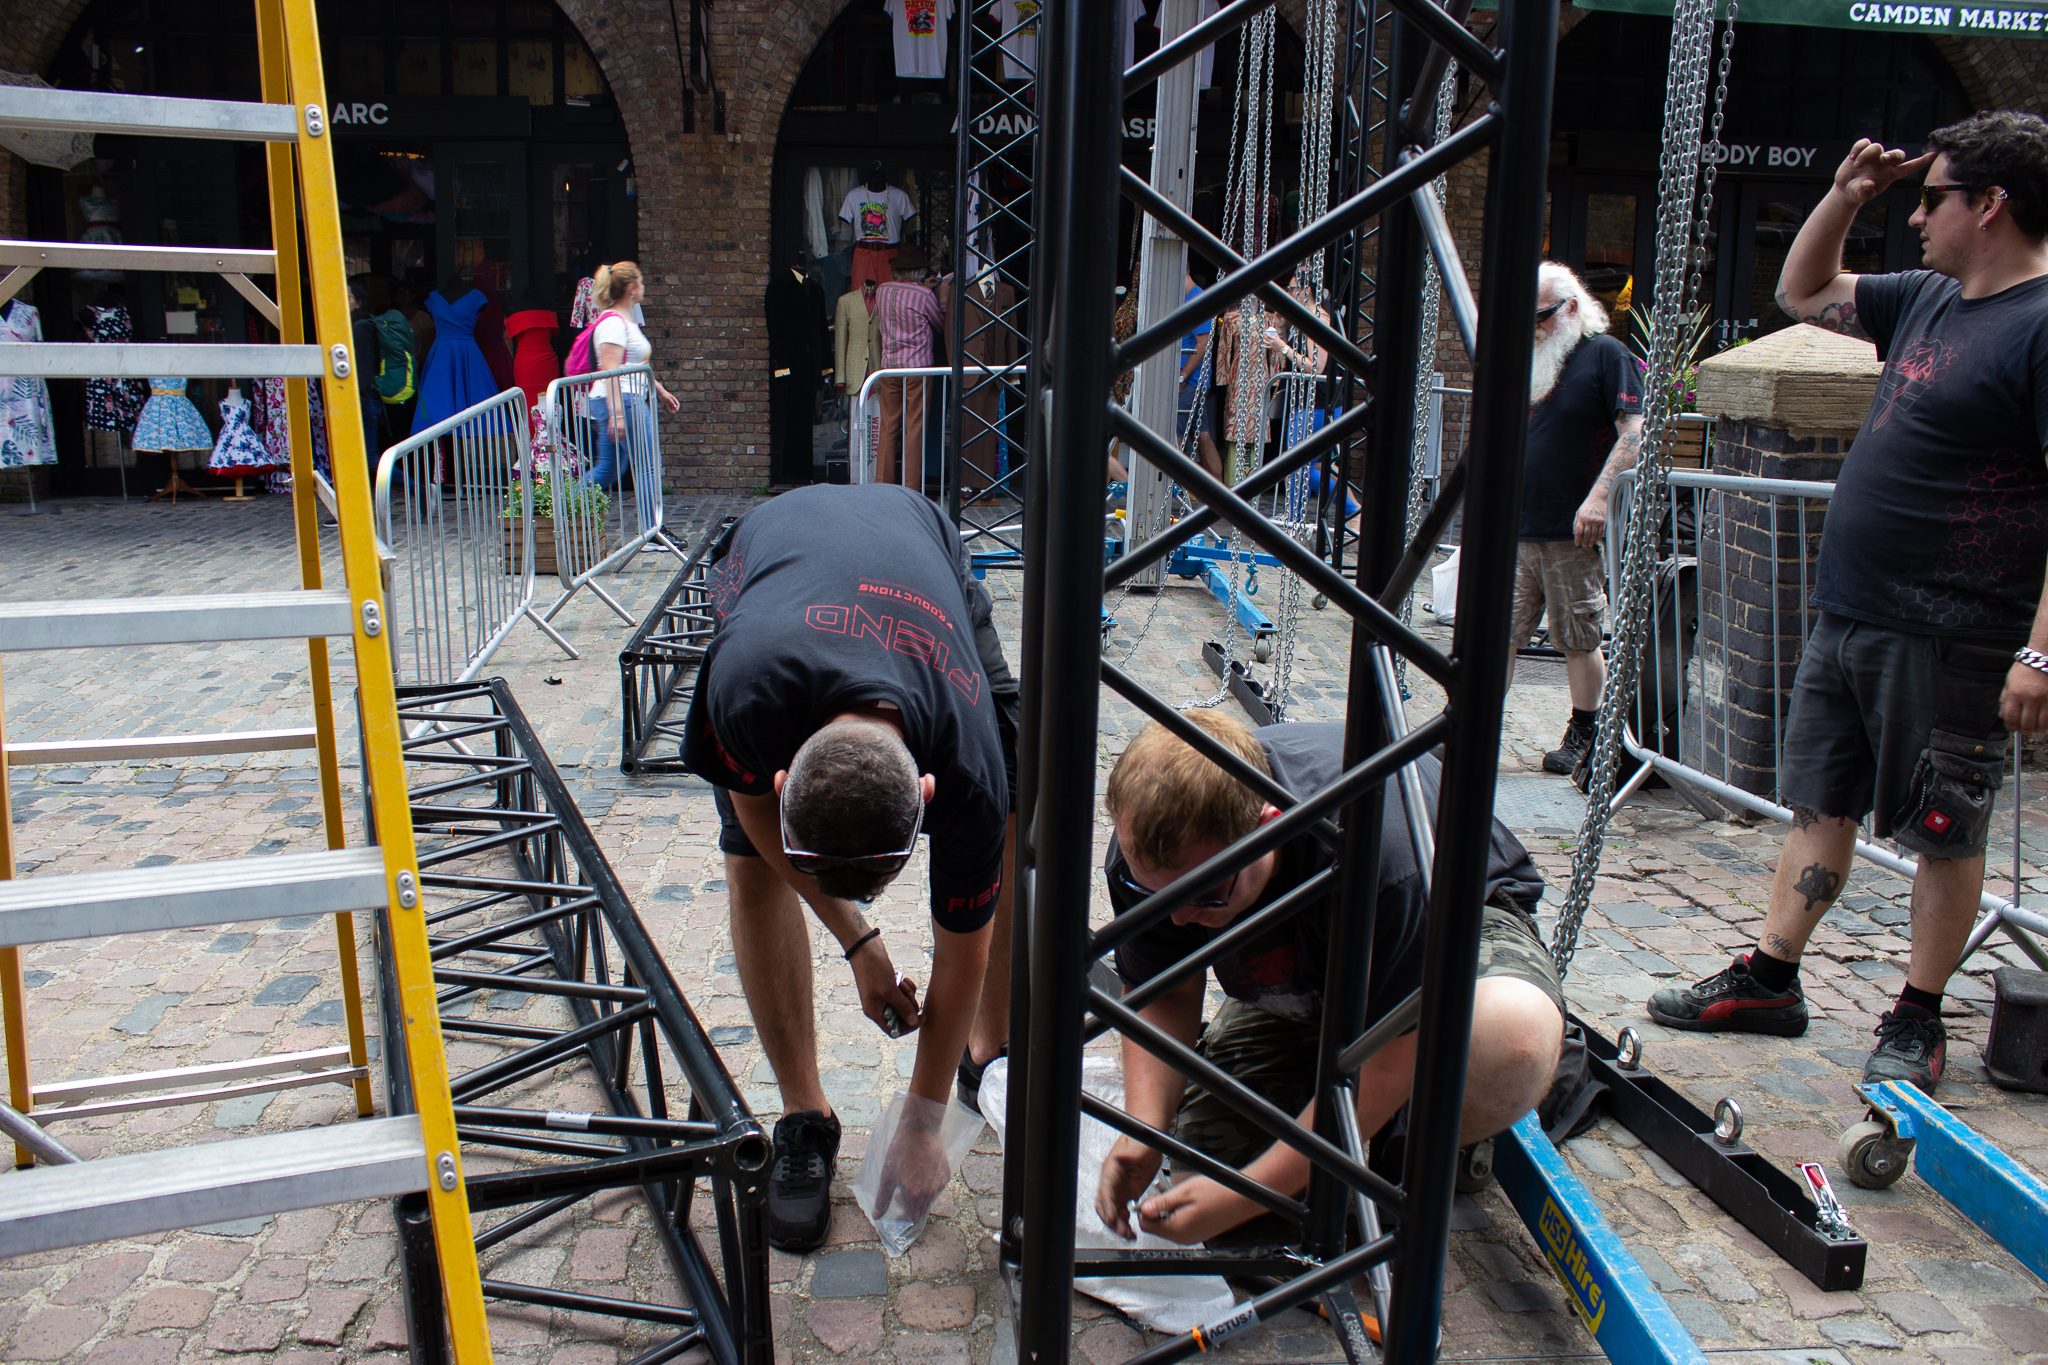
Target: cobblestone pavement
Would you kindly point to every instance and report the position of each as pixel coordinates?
(1678, 895)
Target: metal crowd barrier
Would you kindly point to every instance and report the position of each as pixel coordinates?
(864, 428)
(456, 525)
(658, 665)
(589, 536)
(1698, 680)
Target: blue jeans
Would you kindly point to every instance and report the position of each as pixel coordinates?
(614, 454)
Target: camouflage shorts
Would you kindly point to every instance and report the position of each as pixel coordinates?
(1276, 1057)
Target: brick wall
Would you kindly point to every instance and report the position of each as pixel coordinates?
(1756, 564)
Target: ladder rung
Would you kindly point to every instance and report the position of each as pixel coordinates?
(90, 111)
(46, 751)
(52, 1207)
(148, 359)
(341, 1075)
(106, 622)
(57, 1096)
(138, 900)
(106, 256)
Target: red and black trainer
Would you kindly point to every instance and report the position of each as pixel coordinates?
(1912, 1046)
(1730, 1001)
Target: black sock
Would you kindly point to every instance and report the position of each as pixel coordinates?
(1771, 973)
(1910, 994)
(1584, 720)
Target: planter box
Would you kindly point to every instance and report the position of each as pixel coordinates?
(1688, 445)
(545, 559)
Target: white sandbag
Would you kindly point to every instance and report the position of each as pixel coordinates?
(1165, 1303)
(911, 1155)
(1443, 589)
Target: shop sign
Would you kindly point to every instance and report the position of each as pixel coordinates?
(1744, 156)
(449, 116)
(1001, 128)
(1862, 14)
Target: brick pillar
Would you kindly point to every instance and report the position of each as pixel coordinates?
(1785, 407)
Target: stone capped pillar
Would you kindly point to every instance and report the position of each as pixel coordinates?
(1786, 406)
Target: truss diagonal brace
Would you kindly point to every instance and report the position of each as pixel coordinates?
(1453, 37)
(1450, 267)
(1189, 43)
(1222, 1173)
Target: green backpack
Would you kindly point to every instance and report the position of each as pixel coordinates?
(395, 381)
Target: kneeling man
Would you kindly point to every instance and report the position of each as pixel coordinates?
(1174, 810)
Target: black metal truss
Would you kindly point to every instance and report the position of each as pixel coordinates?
(1075, 363)
(518, 898)
(982, 402)
(658, 666)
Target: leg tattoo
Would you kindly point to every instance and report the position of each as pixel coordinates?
(1780, 947)
(1818, 883)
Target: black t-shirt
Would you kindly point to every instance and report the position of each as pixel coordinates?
(1571, 434)
(1939, 522)
(828, 598)
(1281, 971)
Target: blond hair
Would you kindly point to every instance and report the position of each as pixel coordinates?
(611, 282)
(1166, 795)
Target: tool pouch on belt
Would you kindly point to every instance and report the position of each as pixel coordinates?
(1948, 807)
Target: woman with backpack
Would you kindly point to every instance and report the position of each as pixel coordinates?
(618, 406)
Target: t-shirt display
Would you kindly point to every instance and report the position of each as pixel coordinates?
(1281, 970)
(1571, 434)
(919, 28)
(877, 218)
(1019, 20)
(1939, 522)
(832, 597)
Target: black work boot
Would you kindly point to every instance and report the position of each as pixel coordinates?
(1576, 744)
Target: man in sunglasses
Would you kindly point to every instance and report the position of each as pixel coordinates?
(1928, 649)
(1585, 427)
(1174, 810)
(853, 696)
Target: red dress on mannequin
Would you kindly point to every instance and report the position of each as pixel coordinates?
(534, 362)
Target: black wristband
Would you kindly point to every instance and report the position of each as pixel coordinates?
(862, 942)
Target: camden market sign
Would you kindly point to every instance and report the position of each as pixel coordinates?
(2028, 21)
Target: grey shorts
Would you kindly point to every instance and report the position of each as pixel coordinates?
(1571, 583)
(1276, 1057)
(1900, 727)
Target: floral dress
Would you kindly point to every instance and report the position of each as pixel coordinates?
(240, 451)
(112, 404)
(26, 435)
(169, 421)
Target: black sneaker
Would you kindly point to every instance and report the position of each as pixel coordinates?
(1576, 744)
(968, 1080)
(800, 1181)
(1912, 1046)
(1730, 1002)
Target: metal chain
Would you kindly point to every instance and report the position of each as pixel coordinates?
(1680, 265)
(1425, 365)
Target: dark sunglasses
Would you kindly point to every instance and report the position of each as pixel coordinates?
(1543, 315)
(1931, 195)
(818, 864)
(1217, 902)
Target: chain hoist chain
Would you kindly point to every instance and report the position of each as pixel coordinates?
(1680, 264)
(1425, 366)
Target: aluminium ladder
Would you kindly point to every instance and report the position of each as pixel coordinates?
(65, 1205)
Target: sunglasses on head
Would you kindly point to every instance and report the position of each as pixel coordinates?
(1544, 315)
(1213, 902)
(1932, 195)
(819, 864)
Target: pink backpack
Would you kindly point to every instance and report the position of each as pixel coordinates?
(583, 352)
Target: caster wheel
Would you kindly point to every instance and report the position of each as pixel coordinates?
(1870, 1157)
(1262, 650)
(1107, 646)
(1319, 601)
(1475, 1167)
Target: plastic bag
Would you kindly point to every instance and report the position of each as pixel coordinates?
(1443, 589)
(1165, 1303)
(912, 1153)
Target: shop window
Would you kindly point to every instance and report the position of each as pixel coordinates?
(483, 221)
(532, 71)
(419, 66)
(580, 77)
(355, 255)
(1777, 223)
(355, 66)
(530, 15)
(476, 68)
(1611, 249)
(476, 14)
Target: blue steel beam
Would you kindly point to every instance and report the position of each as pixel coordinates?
(1601, 1280)
(1999, 1195)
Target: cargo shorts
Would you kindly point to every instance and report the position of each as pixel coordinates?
(1567, 582)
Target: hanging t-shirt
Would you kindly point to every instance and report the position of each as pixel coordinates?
(1019, 21)
(919, 27)
(1572, 432)
(828, 598)
(877, 218)
(1939, 522)
(1281, 970)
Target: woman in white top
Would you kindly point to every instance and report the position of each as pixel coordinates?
(618, 406)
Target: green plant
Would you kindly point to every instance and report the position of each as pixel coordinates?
(1691, 335)
(578, 499)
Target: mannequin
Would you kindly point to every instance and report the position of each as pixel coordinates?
(239, 452)
(795, 307)
(989, 321)
(878, 211)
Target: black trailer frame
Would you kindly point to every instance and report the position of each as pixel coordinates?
(658, 666)
(519, 898)
(1074, 362)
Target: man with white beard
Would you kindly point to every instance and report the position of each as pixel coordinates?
(1585, 427)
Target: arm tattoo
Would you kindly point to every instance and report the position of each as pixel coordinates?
(1785, 303)
(1818, 883)
(1836, 317)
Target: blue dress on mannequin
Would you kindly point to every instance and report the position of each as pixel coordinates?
(455, 375)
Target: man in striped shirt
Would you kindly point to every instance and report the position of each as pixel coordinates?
(908, 316)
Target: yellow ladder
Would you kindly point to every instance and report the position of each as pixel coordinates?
(71, 1203)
